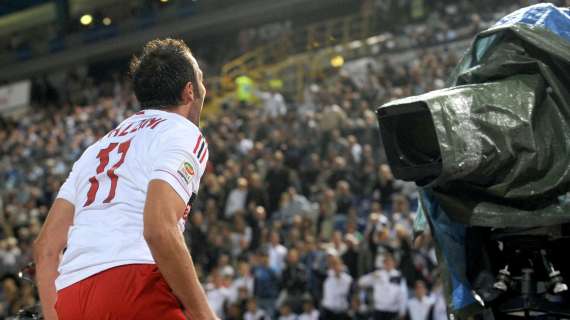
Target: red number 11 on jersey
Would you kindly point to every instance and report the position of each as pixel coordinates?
(103, 157)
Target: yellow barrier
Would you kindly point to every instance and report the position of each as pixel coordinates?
(293, 58)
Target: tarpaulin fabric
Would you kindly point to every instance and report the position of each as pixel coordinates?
(503, 129)
(512, 110)
(543, 15)
(451, 254)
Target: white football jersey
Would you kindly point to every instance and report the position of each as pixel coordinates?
(108, 187)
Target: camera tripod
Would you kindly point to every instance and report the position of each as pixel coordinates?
(534, 280)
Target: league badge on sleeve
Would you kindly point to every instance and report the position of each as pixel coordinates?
(186, 171)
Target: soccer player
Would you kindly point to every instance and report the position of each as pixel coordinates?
(119, 216)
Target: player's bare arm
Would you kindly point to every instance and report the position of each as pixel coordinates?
(163, 208)
(47, 250)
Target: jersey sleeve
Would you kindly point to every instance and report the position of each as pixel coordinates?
(68, 190)
(181, 163)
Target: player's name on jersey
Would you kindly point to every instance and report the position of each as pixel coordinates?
(134, 127)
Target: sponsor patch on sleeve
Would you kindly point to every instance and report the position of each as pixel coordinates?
(186, 171)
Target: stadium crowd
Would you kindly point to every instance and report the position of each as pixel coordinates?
(298, 215)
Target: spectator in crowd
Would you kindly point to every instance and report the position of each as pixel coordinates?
(350, 255)
(420, 305)
(401, 213)
(10, 253)
(332, 118)
(293, 203)
(336, 292)
(309, 310)
(340, 172)
(293, 282)
(277, 253)
(309, 173)
(257, 194)
(386, 186)
(337, 245)
(233, 312)
(439, 306)
(253, 313)
(240, 236)
(197, 236)
(273, 104)
(265, 284)
(258, 224)
(328, 208)
(286, 313)
(217, 291)
(244, 281)
(345, 198)
(237, 198)
(390, 293)
(378, 238)
(278, 180)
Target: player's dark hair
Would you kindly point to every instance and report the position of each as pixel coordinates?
(161, 72)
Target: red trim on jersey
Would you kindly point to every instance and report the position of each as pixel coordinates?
(204, 155)
(197, 144)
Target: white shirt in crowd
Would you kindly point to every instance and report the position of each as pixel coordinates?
(418, 309)
(313, 315)
(390, 291)
(245, 145)
(257, 315)
(336, 290)
(238, 238)
(10, 257)
(108, 187)
(289, 317)
(238, 283)
(274, 104)
(440, 307)
(277, 256)
(236, 201)
(217, 298)
(356, 152)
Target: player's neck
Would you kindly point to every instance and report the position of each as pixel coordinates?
(188, 113)
(194, 117)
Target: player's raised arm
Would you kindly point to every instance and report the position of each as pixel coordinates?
(162, 210)
(47, 250)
